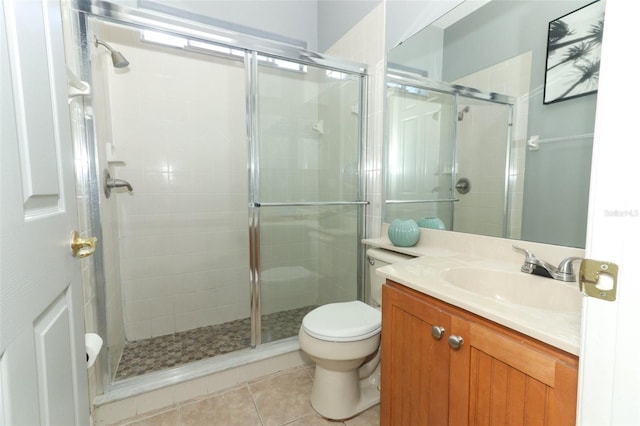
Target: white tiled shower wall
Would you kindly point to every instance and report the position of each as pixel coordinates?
(365, 43)
(179, 138)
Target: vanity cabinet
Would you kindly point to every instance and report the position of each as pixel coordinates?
(411, 392)
(443, 365)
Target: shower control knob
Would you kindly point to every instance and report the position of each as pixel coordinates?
(463, 185)
(437, 332)
(455, 342)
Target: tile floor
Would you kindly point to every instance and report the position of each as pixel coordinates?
(276, 400)
(162, 352)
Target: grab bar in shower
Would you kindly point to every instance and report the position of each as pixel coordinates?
(311, 203)
(442, 200)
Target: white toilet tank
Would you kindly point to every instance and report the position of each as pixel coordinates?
(378, 258)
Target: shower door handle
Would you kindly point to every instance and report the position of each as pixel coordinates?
(310, 203)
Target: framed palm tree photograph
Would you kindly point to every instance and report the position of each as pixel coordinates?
(573, 53)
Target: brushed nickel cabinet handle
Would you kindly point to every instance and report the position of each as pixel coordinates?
(455, 341)
(437, 332)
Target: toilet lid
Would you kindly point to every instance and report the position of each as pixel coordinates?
(343, 322)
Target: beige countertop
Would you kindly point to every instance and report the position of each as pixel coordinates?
(439, 251)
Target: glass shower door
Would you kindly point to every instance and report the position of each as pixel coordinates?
(173, 125)
(308, 187)
(483, 157)
(421, 149)
(449, 155)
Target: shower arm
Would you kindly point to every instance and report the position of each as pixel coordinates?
(102, 43)
(117, 58)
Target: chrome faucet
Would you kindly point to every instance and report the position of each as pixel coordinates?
(533, 265)
(110, 183)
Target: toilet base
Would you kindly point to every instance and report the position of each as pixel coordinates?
(354, 397)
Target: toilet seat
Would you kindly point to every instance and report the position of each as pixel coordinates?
(343, 322)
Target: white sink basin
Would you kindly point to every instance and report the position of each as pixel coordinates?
(517, 288)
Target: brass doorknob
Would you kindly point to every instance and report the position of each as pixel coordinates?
(82, 247)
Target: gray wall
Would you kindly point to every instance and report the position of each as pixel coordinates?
(318, 23)
(404, 18)
(296, 20)
(557, 176)
(426, 62)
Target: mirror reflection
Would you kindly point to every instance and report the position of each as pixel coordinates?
(469, 138)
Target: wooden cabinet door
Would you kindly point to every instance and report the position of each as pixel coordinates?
(499, 377)
(415, 364)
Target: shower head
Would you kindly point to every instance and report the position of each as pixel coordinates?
(118, 59)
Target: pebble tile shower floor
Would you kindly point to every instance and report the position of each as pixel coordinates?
(162, 352)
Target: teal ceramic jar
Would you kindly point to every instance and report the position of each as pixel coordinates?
(404, 232)
(431, 222)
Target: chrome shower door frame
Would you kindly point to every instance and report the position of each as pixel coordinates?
(177, 22)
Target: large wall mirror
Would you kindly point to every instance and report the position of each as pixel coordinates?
(469, 138)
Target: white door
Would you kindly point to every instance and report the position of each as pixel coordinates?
(43, 376)
(609, 389)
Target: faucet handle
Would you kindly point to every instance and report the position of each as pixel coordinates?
(526, 252)
(565, 268)
(529, 259)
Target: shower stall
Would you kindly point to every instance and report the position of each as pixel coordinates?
(450, 155)
(236, 201)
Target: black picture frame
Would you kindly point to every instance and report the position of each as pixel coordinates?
(574, 42)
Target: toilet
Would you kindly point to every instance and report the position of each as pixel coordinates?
(343, 339)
